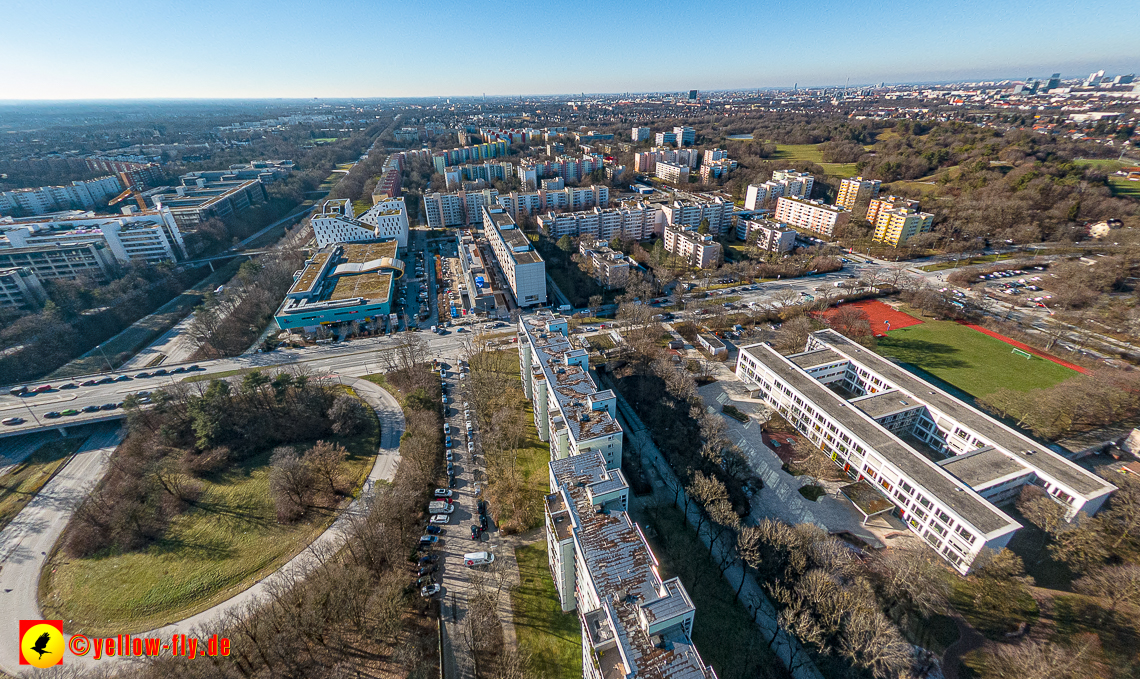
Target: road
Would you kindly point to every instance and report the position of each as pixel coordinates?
(26, 542)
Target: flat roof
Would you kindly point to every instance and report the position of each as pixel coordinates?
(1028, 451)
(983, 466)
(371, 286)
(810, 359)
(311, 273)
(951, 492)
(886, 403)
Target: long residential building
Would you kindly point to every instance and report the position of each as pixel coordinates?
(79, 195)
(635, 623)
(855, 191)
(791, 185)
(632, 220)
(521, 265)
(811, 215)
(90, 259)
(884, 203)
(685, 212)
(799, 183)
(560, 198)
(150, 236)
(570, 412)
(336, 222)
(466, 154)
(460, 208)
(945, 466)
(697, 249)
(673, 173)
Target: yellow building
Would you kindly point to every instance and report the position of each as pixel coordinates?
(888, 203)
(895, 227)
(856, 190)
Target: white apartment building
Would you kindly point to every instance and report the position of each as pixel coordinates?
(766, 234)
(672, 172)
(699, 250)
(692, 212)
(760, 196)
(521, 265)
(635, 624)
(336, 223)
(799, 183)
(608, 266)
(569, 410)
(811, 215)
(713, 155)
(560, 198)
(663, 138)
(632, 220)
(460, 208)
(685, 136)
(944, 465)
(150, 236)
(641, 134)
(77, 195)
(716, 168)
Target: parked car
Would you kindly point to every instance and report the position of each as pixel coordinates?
(89, 383)
(69, 385)
(443, 492)
(471, 447)
(18, 391)
(428, 540)
(91, 409)
(440, 518)
(41, 389)
(429, 591)
(108, 406)
(426, 570)
(123, 378)
(434, 530)
(142, 375)
(429, 558)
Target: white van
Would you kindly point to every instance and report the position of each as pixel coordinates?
(478, 559)
(440, 507)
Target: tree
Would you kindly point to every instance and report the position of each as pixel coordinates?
(325, 462)
(703, 227)
(565, 244)
(1033, 659)
(290, 483)
(850, 321)
(595, 302)
(349, 416)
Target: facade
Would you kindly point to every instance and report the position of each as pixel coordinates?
(461, 208)
(791, 185)
(335, 222)
(20, 290)
(672, 172)
(66, 261)
(699, 250)
(945, 465)
(199, 199)
(811, 215)
(717, 168)
(342, 283)
(663, 138)
(632, 220)
(521, 265)
(150, 236)
(608, 266)
(561, 198)
(895, 227)
(569, 411)
(265, 171)
(641, 134)
(799, 183)
(635, 625)
(685, 136)
(85, 195)
(766, 234)
(885, 203)
(857, 191)
(717, 211)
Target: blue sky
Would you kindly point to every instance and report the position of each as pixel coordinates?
(82, 49)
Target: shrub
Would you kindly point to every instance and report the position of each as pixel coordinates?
(348, 415)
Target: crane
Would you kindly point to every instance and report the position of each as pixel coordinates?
(131, 190)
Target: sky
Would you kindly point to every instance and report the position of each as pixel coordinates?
(126, 49)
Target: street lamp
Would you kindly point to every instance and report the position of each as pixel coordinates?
(38, 423)
(110, 367)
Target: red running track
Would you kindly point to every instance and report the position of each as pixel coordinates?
(1025, 347)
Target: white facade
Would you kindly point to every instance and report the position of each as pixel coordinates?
(151, 236)
(873, 407)
(389, 219)
(461, 208)
(811, 215)
(520, 263)
(77, 195)
(630, 221)
(699, 250)
(672, 172)
(692, 212)
(685, 136)
(799, 183)
(766, 234)
(641, 134)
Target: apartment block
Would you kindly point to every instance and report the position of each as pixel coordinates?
(945, 466)
(717, 211)
(565, 198)
(86, 195)
(635, 624)
(641, 134)
(672, 172)
(631, 220)
(522, 267)
(20, 290)
(799, 183)
(764, 196)
(717, 168)
(570, 412)
(685, 136)
(663, 138)
(150, 236)
(857, 191)
(713, 155)
(895, 227)
(811, 215)
(334, 222)
(884, 203)
(699, 250)
(607, 266)
(766, 234)
(457, 209)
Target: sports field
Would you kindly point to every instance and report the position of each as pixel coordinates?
(883, 317)
(969, 360)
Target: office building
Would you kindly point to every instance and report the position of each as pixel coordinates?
(570, 412)
(856, 191)
(672, 172)
(150, 236)
(20, 290)
(199, 199)
(895, 227)
(811, 215)
(766, 235)
(699, 250)
(607, 266)
(635, 624)
(683, 212)
(641, 134)
(334, 221)
(684, 136)
(90, 259)
(342, 283)
(79, 195)
(264, 171)
(944, 465)
(522, 267)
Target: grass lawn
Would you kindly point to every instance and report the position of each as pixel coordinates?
(23, 481)
(723, 631)
(552, 638)
(983, 259)
(223, 544)
(969, 360)
(1123, 187)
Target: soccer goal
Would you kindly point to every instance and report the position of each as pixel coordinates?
(1022, 352)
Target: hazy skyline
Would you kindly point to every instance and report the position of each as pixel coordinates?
(342, 49)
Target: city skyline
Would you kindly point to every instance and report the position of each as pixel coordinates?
(403, 51)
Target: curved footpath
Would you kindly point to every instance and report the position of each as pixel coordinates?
(26, 542)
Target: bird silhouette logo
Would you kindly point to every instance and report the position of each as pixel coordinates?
(41, 643)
